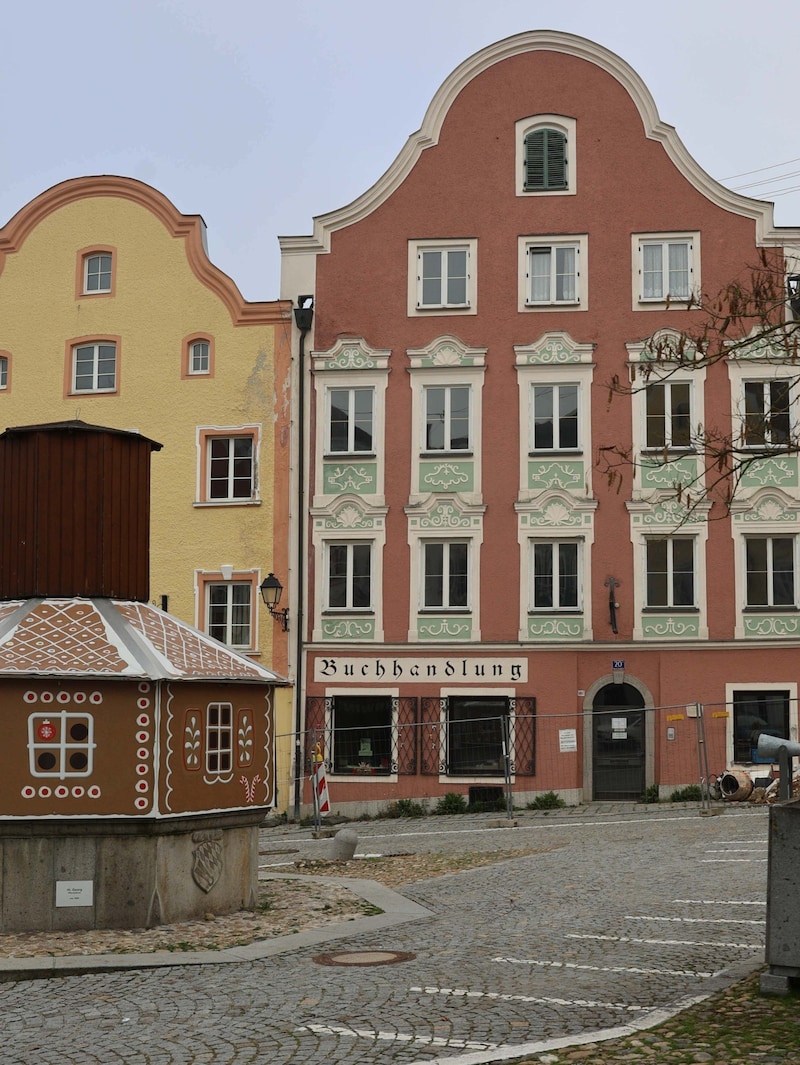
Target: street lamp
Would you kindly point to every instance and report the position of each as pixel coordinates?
(271, 589)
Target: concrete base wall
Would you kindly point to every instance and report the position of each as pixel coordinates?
(126, 875)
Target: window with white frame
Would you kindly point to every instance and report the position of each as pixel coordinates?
(476, 728)
(350, 420)
(770, 569)
(229, 612)
(668, 417)
(61, 744)
(219, 738)
(442, 276)
(767, 413)
(447, 417)
(199, 357)
(230, 467)
(97, 272)
(94, 367)
(3, 371)
(555, 574)
(670, 572)
(666, 268)
(349, 582)
(555, 421)
(445, 575)
(362, 734)
(553, 274)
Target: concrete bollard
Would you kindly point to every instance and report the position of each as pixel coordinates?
(344, 844)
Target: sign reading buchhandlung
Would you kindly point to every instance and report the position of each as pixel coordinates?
(389, 670)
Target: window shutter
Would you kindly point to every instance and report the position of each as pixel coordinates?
(534, 159)
(556, 177)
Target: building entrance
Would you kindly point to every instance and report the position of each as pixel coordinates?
(618, 743)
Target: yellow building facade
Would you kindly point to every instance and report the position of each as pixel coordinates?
(111, 313)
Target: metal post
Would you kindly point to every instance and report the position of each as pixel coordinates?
(506, 724)
(702, 759)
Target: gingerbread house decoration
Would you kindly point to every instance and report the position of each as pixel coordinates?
(137, 761)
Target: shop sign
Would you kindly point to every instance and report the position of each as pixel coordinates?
(388, 670)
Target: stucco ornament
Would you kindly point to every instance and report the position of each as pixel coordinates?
(207, 858)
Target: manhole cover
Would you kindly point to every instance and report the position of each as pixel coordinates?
(364, 957)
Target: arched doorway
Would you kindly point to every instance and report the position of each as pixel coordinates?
(619, 743)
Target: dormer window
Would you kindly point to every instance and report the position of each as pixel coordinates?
(545, 156)
(545, 160)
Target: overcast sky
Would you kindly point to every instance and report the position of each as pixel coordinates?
(260, 114)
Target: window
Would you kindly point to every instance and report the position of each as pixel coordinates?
(447, 418)
(199, 357)
(349, 576)
(553, 274)
(3, 372)
(755, 712)
(475, 735)
(670, 572)
(94, 367)
(97, 272)
(362, 734)
(219, 738)
(446, 584)
(350, 420)
(442, 276)
(668, 414)
(555, 417)
(230, 467)
(766, 413)
(666, 269)
(770, 571)
(61, 744)
(555, 575)
(229, 612)
(545, 160)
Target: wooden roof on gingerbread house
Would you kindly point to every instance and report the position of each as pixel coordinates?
(73, 637)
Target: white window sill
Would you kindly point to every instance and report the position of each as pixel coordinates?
(226, 503)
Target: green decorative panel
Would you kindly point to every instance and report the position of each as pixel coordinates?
(772, 625)
(447, 476)
(675, 626)
(564, 473)
(358, 477)
(656, 474)
(768, 509)
(348, 628)
(556, 515)
(555, 628)
(445, 628)
(776, 472)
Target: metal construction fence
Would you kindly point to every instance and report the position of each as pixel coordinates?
(424, 752)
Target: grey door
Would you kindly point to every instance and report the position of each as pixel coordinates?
(618, 743)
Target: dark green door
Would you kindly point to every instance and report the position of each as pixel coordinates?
(618, 744)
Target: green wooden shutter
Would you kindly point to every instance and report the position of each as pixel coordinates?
(545, 160)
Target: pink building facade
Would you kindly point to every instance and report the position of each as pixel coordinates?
(479, 604)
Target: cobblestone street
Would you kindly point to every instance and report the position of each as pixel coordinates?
(619, 916)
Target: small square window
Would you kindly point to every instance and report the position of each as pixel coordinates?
(97, 272)
(667, 269)
(552, 273)
(442, 277)
(229, 612)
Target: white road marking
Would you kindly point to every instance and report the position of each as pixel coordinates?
(698, 920)
(732, 850)
(667, 942)
(716, 902)
(606, 968)
(458, 992)
(394, 1037)
(721, 861)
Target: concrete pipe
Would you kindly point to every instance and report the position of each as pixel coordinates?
(735, 785)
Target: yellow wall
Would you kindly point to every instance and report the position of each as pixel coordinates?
(165, 288)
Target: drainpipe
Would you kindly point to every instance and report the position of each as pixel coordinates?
(304, 317)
